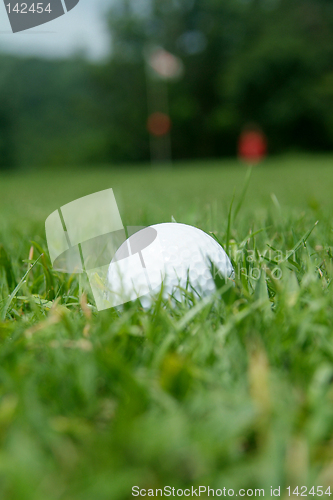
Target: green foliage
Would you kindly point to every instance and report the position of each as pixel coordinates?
(267, 62)
(232, 391)
(263, 61)
(46, 112)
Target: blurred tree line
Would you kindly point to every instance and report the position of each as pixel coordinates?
(264, 61)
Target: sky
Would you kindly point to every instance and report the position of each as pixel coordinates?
(83, 29)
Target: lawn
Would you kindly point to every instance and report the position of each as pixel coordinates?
(234, 392)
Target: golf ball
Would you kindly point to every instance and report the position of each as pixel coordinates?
(181, 257)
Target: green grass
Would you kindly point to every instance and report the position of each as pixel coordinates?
(233, 392)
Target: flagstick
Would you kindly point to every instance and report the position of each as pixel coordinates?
(158, 101)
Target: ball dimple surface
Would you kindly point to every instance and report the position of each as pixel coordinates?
(181, 253)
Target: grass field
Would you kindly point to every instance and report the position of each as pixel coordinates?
(235, 392)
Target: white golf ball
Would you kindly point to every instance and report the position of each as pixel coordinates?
(182, 257)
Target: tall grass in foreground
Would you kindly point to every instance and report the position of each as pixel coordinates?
(234, 391)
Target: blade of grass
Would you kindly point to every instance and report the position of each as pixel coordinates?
(300, 242)
(188, 317)
(229, 224)
(243, 194)
(252, 235)
(12, 295)
(6, 263)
